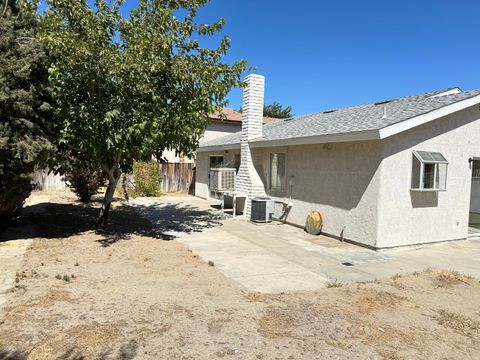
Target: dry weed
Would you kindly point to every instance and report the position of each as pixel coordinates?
(457, 322)
(372, 300)
(83, 341)
(257, 297)
(275, 323)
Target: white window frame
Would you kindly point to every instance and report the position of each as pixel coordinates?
(421, 179)
(283, 186)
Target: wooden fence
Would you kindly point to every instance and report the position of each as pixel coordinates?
(42, 179)
(177, 177)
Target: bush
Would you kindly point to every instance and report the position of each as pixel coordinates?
(15, 187)
(85, 183)
(146, 179)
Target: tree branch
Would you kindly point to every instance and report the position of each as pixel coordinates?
(5, 8)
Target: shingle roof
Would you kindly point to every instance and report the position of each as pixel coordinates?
(228, 114)
(374, 116)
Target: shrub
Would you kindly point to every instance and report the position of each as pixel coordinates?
(146, 179)
(85, 183)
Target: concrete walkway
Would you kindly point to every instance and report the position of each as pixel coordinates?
(278, 258)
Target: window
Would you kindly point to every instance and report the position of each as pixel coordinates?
(236, 162)
(476, 170)
(429, 171)
(277, 171)
(216, 161)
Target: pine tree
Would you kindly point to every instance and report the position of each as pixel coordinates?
(24, 102)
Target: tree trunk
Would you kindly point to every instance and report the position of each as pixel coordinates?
(113, 178)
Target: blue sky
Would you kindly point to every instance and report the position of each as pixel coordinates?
(318, 55)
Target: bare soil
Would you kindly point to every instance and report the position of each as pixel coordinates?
(131, 292)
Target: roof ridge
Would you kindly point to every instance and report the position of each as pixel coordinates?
(426, 94)
(357, 119)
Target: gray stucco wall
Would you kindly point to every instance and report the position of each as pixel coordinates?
(202, 168)
(365, 186)
(340, 180)
(408, 217)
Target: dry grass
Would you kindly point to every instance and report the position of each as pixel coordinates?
(140, 295)
(450, 278)
(258, 297)
(372, 300)
(275, 323)
(389, 355)
(334, 284)
(52, 297)
(457, 322)
(83, 341)
(22, 312)
(445, 278)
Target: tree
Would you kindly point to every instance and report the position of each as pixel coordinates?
(128, 88)
(24, 102)
(276, 110)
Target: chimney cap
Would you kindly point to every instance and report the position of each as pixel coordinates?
(253, 76)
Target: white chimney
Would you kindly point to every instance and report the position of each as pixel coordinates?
(247, 181)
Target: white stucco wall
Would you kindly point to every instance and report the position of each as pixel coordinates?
(201, 175)
(218, 129)
(214, 130)
(407, 217)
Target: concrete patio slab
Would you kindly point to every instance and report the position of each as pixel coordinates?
(278, 258)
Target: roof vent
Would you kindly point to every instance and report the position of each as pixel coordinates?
(383, 102)
(329, 111)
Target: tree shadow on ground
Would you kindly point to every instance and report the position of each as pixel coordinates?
(180, 217)
(62, 220)
(12, 355)
(126, 352)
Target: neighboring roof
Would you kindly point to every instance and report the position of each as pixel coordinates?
(236, 116)
(362, 122)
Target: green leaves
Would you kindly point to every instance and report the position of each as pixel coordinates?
(276, 110)
(25, 110)
(127, 89)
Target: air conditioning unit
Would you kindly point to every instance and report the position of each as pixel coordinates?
(222, 179)
(262, 209)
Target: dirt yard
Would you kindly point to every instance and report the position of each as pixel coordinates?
(131, 292)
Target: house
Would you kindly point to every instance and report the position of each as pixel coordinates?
(224, 122)
(397, 172)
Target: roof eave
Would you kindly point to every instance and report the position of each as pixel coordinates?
(427, 117)
(218, 147)
(304, 140)
(320, 139)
